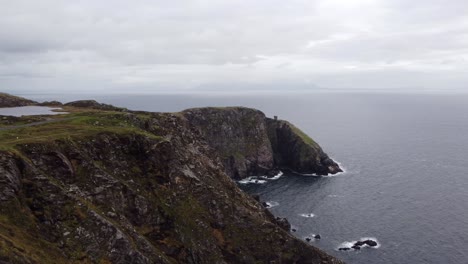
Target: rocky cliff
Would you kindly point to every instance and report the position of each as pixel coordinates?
(249, 144)
(99, 186)
(8, 100)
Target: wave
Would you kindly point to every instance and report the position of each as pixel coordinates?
(271, 204)
(252, 179)
(310, 215)
(260, 179)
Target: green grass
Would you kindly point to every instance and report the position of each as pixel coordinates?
(73, 125)
(308, 140)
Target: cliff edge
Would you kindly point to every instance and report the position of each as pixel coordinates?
(97, 186)
(248, 143)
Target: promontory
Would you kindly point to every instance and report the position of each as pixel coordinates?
(103, 184)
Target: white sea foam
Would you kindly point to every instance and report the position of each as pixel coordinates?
(277, 176)
(310, 215)
(260, 179)
(271, 204)
(253, 179)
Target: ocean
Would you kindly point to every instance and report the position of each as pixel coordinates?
(406, 172)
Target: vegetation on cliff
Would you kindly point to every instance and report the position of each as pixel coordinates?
(105, 186)
(249, 143)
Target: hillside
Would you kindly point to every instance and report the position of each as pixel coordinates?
(103, 186)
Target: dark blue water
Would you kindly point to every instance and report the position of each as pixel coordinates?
(406, 180)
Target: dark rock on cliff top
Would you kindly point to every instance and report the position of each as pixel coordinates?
(141, 188)
(94, 104)
(7, 100)
(50, 103)
(249, 144)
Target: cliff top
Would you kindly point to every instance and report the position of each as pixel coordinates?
(109, 186)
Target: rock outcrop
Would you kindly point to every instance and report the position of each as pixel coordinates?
(92, 104)
(7, 100)
(248, 143)
(239, 136)
(123, 187)
(294, 150)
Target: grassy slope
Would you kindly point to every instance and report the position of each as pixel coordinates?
(78, 123)
(17, 228)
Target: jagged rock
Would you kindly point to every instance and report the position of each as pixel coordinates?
(283, 223)
(256, 197)
(356, 247)
(370, 243)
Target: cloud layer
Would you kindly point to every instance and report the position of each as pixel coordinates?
(180, 46)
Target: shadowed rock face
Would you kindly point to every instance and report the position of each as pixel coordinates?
(249, 144)
(239, 135)
(7, 100)
(156, 196)
(296, 151)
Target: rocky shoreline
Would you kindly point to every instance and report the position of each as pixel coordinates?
(108, 185)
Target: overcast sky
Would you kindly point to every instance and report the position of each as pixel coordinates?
(233, 45)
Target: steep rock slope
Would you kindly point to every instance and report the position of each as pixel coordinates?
(113, 187)
(295, 150)
(249, 144)
(239, 135)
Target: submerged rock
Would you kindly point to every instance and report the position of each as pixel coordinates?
(359, 244)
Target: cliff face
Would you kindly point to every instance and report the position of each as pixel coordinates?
(249, 144)
(295, 150)
(114, 187)
(239, 136)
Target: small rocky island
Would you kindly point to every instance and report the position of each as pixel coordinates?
(103, 184)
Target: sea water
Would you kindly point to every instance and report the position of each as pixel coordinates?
(406, 170)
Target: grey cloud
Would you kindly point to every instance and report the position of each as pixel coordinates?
(180, 45)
